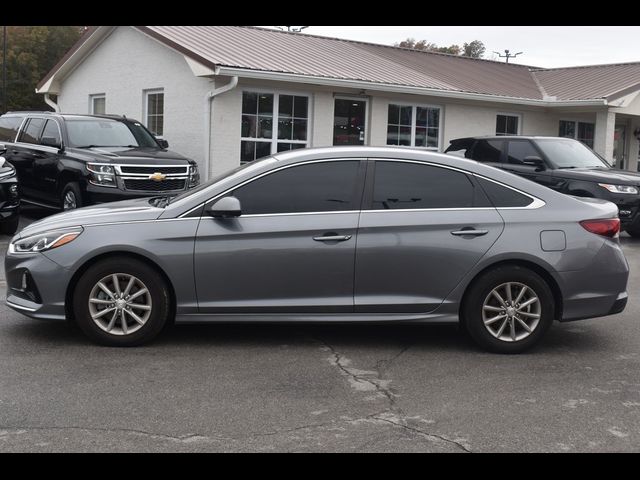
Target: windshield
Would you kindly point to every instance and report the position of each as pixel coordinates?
(103, 132)
(222, 176)
(567, 153)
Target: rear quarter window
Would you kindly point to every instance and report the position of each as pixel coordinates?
(502, 196)
(9, 128)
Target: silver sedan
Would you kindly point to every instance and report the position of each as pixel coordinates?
(349, 234)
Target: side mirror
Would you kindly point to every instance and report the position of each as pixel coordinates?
(227, 207)
(51, 142)
(162, 142)
(534, 161)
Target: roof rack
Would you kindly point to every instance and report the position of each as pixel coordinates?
(29, 111)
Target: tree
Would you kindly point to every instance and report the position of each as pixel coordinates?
(474, 49)
(31, 53)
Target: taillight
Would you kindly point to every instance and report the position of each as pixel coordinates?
(609, 227)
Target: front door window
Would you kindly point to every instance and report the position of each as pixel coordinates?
(349, 122)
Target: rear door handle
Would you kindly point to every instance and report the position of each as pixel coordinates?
(473, 232)
(332, 238)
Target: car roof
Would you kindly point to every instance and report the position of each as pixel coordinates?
(68, 115)
(510, 137)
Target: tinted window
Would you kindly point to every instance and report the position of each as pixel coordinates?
(31, 134)
(488, 151)
(317, 187)
(400, 185)
(103, 132)
(51, 130)
(9, 128)
(502, 196)
(520, 150)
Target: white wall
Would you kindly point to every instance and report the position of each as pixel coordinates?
(124, 65)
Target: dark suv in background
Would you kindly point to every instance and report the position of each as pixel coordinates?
(9, 196)
(562, 164)
(68, 161)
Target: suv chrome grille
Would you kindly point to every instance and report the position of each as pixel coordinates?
(143, 185)
(151, 170)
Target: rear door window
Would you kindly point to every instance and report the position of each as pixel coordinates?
(31, 134)
(488, 151)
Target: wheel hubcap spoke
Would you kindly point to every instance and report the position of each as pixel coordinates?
(511, 311)
(108, 303)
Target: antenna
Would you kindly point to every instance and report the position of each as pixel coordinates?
(507, 55)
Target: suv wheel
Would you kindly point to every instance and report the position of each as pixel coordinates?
(121, 302)
(71, 196)
(508, 309)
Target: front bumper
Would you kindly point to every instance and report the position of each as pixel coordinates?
(46, 284)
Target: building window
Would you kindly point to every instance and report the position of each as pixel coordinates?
(507, 124)
(413, 126)
(349, 121)
(272, 122)
(98, 104)
(154, 114)
(581, 131)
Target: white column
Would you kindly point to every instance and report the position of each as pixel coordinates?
(634, 144)
(603, 142)
(322, 124)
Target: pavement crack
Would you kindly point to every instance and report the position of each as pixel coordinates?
(189, 438)
(423, 433)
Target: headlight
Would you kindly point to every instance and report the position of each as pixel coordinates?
(194, 176)
(44, 241)
(102, 174)
(619, 188)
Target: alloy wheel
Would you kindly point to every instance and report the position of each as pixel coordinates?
(511, 311)
(69, 202)
(120, 304)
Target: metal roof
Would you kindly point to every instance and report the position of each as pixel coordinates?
(255, 49)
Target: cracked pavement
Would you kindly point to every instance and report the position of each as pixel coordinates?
(321, 388)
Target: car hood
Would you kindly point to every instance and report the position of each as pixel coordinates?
(132, 156)
(137, 209)
(616, 177)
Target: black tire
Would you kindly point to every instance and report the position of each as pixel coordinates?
(158, 291)
(481, 289)
(11, 226)
(74, 189)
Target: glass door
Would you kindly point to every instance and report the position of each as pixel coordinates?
(349, 121)
(619, 146)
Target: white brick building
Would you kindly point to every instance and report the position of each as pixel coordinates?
(222, 95)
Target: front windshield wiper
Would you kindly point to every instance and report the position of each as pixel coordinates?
(566, 167)
(161, 201)
(108, 146)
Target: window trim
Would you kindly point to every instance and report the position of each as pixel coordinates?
(509, 114)
(367, 112)
(145, 111)
(25, 124)
(414, 114)
(276, 110)
(576, 123)
(96, 96)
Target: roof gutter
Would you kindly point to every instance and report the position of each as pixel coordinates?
(385, 87)
(51, 103)
(208, 99)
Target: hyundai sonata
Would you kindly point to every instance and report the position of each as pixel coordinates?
(347, 234)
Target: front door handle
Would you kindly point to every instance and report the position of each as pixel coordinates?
(332, 238)
(469, 231)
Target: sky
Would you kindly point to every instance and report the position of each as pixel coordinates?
(550, 46)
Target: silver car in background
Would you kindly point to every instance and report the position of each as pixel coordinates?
(348, 234)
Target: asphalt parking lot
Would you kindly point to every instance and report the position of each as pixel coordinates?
(321, 388)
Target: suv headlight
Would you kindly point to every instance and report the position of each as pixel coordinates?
(44, 241)
(620, 188)
(194, 176)
(102, 174)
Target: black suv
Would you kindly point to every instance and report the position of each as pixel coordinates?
(562, 164)
(68, 161)
(9, 196)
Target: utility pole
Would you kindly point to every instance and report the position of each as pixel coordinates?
(507, 55)
(4, 69)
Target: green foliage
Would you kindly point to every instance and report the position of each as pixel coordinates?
(31, 53)
(474, 49)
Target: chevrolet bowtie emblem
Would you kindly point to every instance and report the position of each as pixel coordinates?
(157, 177)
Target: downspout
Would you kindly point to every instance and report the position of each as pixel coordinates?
(208, 98)
(51, 103)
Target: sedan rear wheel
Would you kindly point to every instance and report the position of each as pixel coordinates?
(508, 309)
(121, 302)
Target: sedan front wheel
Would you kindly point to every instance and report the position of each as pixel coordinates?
(121, 302)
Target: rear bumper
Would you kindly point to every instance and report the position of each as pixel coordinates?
(598, 290)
